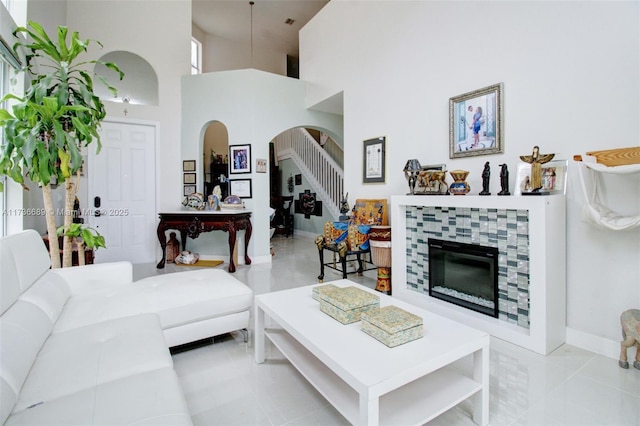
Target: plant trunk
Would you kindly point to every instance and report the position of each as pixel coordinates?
(69, 197)
(80, 244)
(54, 247)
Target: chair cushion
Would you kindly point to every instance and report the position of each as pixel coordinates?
(358, 237)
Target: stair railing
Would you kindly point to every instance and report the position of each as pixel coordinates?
(324, 174)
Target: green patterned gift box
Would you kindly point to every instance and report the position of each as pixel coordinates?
(320, 289)
(346, 304)
(392, 326)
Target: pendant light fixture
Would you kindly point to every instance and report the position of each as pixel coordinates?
(251, 3)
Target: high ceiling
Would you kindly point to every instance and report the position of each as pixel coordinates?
(231, 20)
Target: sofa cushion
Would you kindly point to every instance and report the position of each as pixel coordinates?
(23, 329)
(81, 358)
(23, 259)
(178, 298)
(148, 398)
(49, 293)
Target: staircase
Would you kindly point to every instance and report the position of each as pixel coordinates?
(324, 173)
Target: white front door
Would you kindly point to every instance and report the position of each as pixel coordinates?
(122, 193)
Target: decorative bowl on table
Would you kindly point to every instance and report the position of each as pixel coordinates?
(232, 202)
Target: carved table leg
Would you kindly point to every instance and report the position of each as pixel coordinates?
(232, 244)
(247, 237)
(163, 244)
(183, 239)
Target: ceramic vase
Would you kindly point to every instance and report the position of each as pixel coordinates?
(459, 185)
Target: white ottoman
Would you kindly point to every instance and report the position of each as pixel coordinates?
(191, 305)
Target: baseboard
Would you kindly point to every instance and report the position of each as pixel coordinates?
(590, 342)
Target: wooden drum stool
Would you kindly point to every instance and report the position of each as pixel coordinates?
(380, 241)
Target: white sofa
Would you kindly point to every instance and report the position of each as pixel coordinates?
(85, 345)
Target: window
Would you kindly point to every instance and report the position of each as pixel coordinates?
(196, 56)
(4, 79)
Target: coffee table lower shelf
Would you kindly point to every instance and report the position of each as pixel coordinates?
(442, 389)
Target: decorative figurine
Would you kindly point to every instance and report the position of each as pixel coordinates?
(213, 203)
(344, 208)
(630, 322)
(486, 174)
(504, 180)
(432, 182)
(195, 200)
(536, 160)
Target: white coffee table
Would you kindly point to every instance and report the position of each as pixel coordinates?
(367, 382)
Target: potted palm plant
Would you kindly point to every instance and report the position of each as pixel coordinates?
(58, 116)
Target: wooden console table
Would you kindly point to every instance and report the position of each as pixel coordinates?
(193, 223)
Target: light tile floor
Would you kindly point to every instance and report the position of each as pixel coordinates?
(224, 386)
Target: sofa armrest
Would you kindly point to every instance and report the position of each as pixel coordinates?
(88, 278)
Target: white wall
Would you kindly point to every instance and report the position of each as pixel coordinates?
(255, 106)
(219, 54)
(571, 74)
(163, 39)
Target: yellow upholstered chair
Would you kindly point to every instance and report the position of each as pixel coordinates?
(349, 239)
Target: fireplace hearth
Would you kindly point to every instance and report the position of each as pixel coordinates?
(464, 274)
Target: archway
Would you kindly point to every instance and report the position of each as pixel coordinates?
(307, 163)
(140, 82)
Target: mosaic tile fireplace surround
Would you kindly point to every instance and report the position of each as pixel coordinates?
(529, 233)
(506, 230)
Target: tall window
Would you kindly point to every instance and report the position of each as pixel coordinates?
(196, 56)
(4, 78)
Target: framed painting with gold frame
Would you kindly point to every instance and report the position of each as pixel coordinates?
(475, 122)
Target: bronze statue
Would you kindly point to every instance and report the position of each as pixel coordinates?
(536, 160)
(344, 207)
(486, 174)
(504, 180)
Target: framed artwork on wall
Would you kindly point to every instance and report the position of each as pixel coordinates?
(188, 178)
(189, 165)
(239, 159)
(373, 165)
(240, 187)
(261, 165)
(189, 189)
(554, 178)
(475, 123)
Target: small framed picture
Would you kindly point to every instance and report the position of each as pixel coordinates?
(475, 122)
(240, 187)
(240, 159)
(189, 178)
(189, 189)
(298, 179)
(374, 160)
(189, 165)
(261, 165)
(554, 178)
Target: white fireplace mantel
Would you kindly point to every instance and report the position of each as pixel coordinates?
(547, 267)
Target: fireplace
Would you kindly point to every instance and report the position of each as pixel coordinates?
(464, 274)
